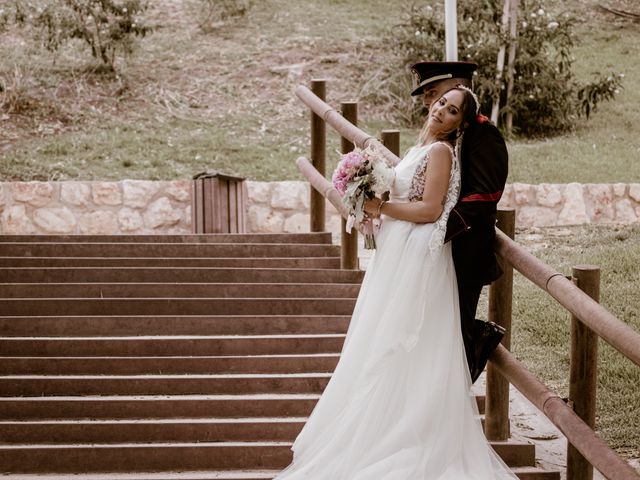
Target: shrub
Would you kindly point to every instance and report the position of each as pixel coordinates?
(107, 26)
(546, 97)
(213, 13)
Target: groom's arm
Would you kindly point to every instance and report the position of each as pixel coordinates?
(484, 176)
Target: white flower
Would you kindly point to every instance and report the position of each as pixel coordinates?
(616, 91)
(531, 96)
(417, 33)
(533, 15)
(540, 12)
(621, 75)
(553, 25)
(524, 24)
(383, 176)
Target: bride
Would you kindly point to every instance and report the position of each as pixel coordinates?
(399, 406)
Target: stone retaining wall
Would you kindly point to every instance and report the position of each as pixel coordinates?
(129, 206)
(283, 206)
(140, 207)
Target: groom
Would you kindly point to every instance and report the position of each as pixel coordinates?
(471, 225)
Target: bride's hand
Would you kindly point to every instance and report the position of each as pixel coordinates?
(371, 207)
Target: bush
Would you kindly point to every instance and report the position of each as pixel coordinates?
(107, 26)
(546, 97)
(215, 13)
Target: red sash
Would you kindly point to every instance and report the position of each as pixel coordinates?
(483, 197)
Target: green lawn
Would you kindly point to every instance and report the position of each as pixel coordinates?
(541, 326)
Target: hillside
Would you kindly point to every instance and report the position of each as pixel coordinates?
(188, 101)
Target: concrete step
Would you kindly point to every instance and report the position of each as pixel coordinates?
(131, 457)
(179, 290)
(107, 407)
(142, 430)
(183, 262)
(86, 326)
(523, 473)
(534, 473)
(227, 384)
(310, 363)
(181, 431)
(176, 275)
(315, 237)
(171, 346)
(177, 306)
(135, 249)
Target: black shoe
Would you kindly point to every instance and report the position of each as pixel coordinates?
(486, 337)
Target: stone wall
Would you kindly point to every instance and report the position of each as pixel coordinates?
(129, 206)
(283, 206)
(142, 207)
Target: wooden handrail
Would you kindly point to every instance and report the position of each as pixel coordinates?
(612, 330)
(593, 315)
(345, 128)
(599, 454)
(581, 436)
(322, 185)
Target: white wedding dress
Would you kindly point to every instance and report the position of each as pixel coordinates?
(399, 406)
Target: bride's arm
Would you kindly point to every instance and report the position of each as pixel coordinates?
(436, 185)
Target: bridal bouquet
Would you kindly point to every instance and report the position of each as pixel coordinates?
(360, 175)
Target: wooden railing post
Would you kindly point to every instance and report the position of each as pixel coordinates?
(583, 371)
(318, 153)
(391, 140)
(348, 241)
(500, 303)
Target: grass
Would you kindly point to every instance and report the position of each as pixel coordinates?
(540, 328)
(604, 148)
(189, 101)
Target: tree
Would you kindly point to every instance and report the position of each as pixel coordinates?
(546, 98)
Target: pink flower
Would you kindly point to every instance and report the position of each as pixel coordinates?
(348, 167)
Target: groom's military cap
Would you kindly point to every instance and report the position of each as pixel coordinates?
(429, 72)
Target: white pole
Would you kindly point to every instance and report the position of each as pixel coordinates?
(451, 31)
(506, 12)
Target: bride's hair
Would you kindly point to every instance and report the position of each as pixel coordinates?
(469, 109)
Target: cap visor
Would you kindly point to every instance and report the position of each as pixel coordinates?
(418, 91)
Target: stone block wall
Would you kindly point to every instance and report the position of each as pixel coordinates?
(143, 207)
(284, 206)
(573, 203)
(129, 206)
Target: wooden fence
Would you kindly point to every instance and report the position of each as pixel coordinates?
(578, 294)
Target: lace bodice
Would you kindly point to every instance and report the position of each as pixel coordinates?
(409, 186)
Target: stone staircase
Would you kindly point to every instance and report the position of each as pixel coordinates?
(191, 356)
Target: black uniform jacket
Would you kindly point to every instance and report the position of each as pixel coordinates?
(471, 225)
